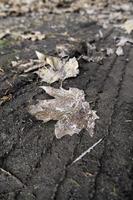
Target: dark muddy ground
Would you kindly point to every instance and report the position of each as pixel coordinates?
(34, 165)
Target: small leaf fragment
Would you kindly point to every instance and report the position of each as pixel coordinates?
(124, 40)
(109, 51)
(1, 71)
(40, 56)
(128, 26)
(119, 51)
(5, 99)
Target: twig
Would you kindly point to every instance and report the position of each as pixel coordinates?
(87, 151)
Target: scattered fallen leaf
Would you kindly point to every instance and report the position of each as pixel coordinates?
(52, 69)
(5, 99)
(128, 26)
(69, 108)
(93, 55)
(49, 68)
(22, 65)
(4, 33)
(123, 41)
(109, 51)
(30, 35)
(119, 51)
(17, 7)
(35, 35)
(63, 51)
(15, 63)
(1, 71)
(27, 66)
(96, 59)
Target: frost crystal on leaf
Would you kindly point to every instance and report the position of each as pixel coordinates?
(69, 108)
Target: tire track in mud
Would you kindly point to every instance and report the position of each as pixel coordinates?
(111, 111)
(55, 197)
(104, 74)
(117, 120)
(102, 85)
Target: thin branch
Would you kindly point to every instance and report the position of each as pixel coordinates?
(87, 151)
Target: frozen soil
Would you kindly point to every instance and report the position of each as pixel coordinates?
(34, 165)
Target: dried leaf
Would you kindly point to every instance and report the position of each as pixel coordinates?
(49, 68)
(40, 56)
(128, 26)
(119, 51)
(62, 50)
(34, 36)
(17, 7)
(55, 69)
(23, 65)
(96, 59)
(93, 55)
(1, 71)
(4, 33)
(69, 108)
(5, 99)
(109, 51)
(123, 41)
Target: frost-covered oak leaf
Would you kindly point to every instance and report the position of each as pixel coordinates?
(69, 108)
(55, 69)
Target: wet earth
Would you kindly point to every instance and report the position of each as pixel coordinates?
(34, 165)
